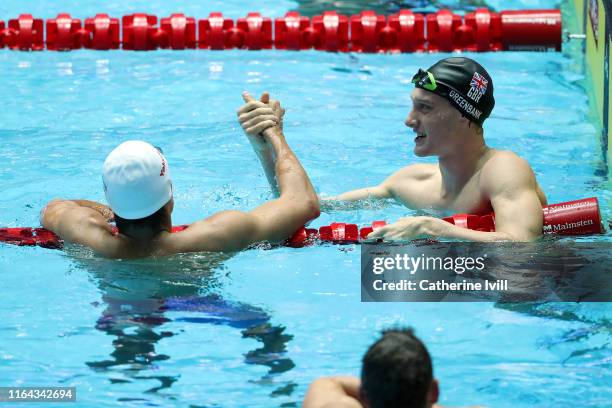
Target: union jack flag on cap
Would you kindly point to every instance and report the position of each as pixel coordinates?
(479, 82)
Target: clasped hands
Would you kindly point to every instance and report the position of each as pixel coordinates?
(257, 116)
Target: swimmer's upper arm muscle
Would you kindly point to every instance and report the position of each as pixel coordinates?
(229, 231)
(512, 189)
(225, 231)
(80, 225)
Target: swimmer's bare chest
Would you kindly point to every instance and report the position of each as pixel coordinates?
(427, 192)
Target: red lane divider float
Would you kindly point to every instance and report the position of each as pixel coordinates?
(331, 32)
(25, 33)
(405, 32)
(102, 32)
(217, 32)
(580, 217)
(178, 32)
(293, 32)
(256, 31)
(140, 32)
(64, 33)
(367, 31)
(536, 30)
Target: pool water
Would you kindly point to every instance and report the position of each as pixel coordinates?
(255, 329)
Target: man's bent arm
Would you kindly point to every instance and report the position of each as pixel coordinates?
(512, 189)
(331, 392)
(298, 202)
(76, 221)
(273, 221)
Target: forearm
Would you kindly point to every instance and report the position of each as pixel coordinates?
(443, 229)
(292, 179)
(267, 159)
(359, 194)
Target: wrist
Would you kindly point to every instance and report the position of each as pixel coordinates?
(436, 227)
(272, 132)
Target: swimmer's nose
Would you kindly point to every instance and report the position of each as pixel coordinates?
(410, 121)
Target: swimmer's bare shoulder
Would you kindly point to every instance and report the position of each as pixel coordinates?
(506, 167)
(86, 226)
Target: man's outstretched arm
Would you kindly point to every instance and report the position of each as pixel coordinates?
(401, 186)
(380, 191)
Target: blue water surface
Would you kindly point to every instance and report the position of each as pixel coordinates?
(255, 329)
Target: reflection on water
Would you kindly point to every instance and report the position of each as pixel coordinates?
(586, 346)
(138, 294)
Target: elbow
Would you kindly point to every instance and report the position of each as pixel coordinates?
(306, 208)
(312, 208)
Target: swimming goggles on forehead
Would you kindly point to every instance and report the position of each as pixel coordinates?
(425, 79)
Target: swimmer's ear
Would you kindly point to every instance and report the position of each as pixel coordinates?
(247, 97)
(434, 392)
(466, 121)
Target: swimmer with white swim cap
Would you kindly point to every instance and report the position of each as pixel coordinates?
(138, 188)
(451, 100)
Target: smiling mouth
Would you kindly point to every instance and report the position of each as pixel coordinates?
(420, 137)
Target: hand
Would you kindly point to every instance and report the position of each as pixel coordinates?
(257, 116)
(279, 111)
(408, 228)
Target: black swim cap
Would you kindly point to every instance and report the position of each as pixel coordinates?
(464, 82)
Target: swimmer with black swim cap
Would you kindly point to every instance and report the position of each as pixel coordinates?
(137, 186)
(464, 83)
(451, 101)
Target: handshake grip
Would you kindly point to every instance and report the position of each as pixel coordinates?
(257, 116)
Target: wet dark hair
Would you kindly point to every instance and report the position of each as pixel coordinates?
(396, 371)
(143, 228)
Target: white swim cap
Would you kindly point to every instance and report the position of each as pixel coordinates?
(136, 180)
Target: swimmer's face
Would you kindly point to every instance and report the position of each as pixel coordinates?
(435, 122)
